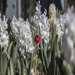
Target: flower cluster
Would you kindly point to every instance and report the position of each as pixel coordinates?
(4, 37)
(22, 31)
(59, 22)
(41, 23)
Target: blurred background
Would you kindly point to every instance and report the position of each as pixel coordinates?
(25, 8)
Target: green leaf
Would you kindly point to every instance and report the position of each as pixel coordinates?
(11, 68)
(10, 48)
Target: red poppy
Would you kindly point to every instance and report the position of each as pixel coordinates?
(37, 38)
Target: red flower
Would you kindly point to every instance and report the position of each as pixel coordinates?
(37, 38)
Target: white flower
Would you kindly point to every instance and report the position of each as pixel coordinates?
(41, 23)
(21, 29)
(59, 22)
(44, 29)
(38, 8)
(4, 37)
(27, 37)
(15, 27)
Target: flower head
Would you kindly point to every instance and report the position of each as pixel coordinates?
(37, 38)
(41, 23)
(4, 37)
(59, 23)
(22, 30)
(52, 13)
